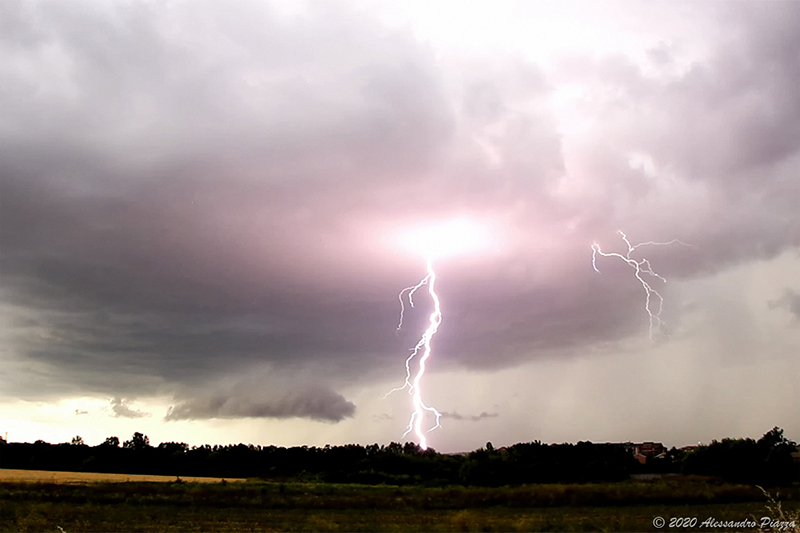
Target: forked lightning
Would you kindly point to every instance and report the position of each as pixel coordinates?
(423, 346)
(641, 267)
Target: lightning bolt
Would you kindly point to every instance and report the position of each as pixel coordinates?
(641, 267)
(423, 351)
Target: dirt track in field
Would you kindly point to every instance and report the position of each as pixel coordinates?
(47, 476)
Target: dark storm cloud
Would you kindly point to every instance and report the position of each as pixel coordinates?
(188, 191)
(166, 171)
(314, 403)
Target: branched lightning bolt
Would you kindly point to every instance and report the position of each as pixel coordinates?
(423, 349)
(641, 267)
(410, 290)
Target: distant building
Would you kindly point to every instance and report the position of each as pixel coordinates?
(642, 451)
(651, 449)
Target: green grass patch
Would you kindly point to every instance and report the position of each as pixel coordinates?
(267, 506)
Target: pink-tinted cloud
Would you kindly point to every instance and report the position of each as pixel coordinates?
(189, 191)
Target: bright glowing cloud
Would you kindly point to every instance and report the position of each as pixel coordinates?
(460, 236)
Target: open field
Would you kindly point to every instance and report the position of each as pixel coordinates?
(274, 506)
(46, 476)
(84, 517)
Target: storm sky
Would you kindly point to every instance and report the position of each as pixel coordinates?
(202, 207)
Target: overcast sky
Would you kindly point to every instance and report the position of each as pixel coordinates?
(203, 204)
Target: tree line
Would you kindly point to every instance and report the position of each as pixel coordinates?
(767, 461)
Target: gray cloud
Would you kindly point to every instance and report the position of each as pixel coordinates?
(790, 301)
(189, 191)
(472, 418)
(150, 236)
(314, 403)
(121, 409)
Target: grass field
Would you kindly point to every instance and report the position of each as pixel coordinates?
(46, 476)
(271, 506)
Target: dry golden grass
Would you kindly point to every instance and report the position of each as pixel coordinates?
(46, 476)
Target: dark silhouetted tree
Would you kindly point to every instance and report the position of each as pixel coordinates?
(138, 442)
(766, 461)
